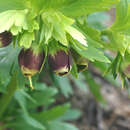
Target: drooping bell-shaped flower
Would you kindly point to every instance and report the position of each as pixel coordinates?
(81, 62)
(60, 62)
(30, 62)
(5, 39)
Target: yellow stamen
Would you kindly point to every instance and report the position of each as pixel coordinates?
(30, 80)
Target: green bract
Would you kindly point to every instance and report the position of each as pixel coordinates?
(57, 25)
(17, 21)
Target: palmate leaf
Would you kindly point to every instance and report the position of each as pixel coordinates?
(42, 96)
(52, 114)
(17, 21)
(90, 53)
(92, 34)
(56, 22)
(59, 25)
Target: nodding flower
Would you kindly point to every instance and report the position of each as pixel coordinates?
(30, 62)
(60, 62)
(81, 62)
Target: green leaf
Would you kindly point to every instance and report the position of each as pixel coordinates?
(25, 94)
(8, 56)
(116, 41)
(77, 35)
(12, 5)
(122, 22)
(94, 87)
(121, 14)
(56, 21)
(115, 65)
(33, 122)
(20, 124)
(16, 20)
(43, 95)
(46, 32)
(80, 83)
(121, 11)
(64, 85)
(92, 34)
(83, 7)
(26, 39)
(21, 100)
(91, 53)
(60, 126)
(71, 114)
(13, 17)
(102, 67)
(52, 114)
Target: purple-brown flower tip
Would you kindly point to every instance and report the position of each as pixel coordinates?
(60, 62)
(5, 39)
(29, 62)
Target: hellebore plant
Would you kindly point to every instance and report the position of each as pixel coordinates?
(46, 31)
(5, 39)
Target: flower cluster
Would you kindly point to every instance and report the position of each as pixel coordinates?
(31, 60)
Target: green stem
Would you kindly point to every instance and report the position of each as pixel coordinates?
(6, 98)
